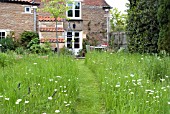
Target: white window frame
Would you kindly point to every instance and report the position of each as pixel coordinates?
(25, 9)
(5, 33)
(75, 50)
(73, 9)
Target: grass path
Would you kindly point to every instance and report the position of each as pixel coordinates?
(89, 101)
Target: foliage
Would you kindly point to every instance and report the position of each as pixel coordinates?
(149, 26)
(8, 44)
(57, 9)
(26, 37)
(143, 26)
(32, 42)
(118, 20)
(6, 59)
(21, 50)
(34, 46)
(164, 25)
(65, 51)
(46, 48)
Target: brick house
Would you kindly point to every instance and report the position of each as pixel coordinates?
(86, 21)
(16, 16)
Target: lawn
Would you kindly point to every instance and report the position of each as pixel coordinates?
(103, 83)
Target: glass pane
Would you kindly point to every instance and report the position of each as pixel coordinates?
(76, 34)
(69, 46)
(77, 13)
(27, 9)
(70, 13)
(76, 46)
(76, 39)
(0, 34)
(3, 34)
(77, 5)
(69, 34)
(69, 40)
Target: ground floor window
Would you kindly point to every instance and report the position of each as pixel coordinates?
(73, 40)
(2, 35)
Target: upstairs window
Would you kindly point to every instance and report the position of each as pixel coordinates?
(74, 11)
(27, 9)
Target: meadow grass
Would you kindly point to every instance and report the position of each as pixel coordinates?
(38, 84)
(118, 83)
(132, 83)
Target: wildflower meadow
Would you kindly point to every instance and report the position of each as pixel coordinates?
(35, 84)
(132, 83)
(125, 83)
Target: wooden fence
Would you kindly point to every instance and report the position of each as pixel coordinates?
(118, 40)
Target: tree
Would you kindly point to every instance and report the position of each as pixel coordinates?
(142, 26)
(118, 20)
(57, 9)
(118, 24)
(164, 25)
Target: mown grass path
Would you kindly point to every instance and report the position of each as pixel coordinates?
(89, 101)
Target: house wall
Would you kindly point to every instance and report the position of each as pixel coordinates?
(94, 23)
(12, 17)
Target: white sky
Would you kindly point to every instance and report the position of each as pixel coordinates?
(120, 4)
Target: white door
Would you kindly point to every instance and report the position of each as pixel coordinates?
(74, 41)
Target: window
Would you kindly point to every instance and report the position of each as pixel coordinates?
(27, 9)
(75, 10)
(73, 40)
(2, 35)
(76, 40)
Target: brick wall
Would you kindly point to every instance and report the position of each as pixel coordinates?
(94, 24)
(12, 17)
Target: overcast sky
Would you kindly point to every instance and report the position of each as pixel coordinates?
(120, 4)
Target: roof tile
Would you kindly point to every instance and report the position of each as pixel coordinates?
(52, 40)
(48, 18)
(96, 2)
(51, 29)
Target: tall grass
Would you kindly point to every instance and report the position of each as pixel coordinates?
(132, 83)
(36, 85)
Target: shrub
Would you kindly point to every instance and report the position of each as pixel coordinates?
(34, 46)
(164, 25)
(26, 37)
(143, 26)
(65, 51)
(21, 50)
(8, 44)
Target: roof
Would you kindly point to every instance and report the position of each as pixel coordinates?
(51, 29)
(48, 18)
(32, 2)
(96, 2)
(87, 2)
(52, 40)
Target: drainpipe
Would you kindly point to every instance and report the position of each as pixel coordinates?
(35, 17)
(107, 20)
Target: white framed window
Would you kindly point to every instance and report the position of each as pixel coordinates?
(73, 39)
(74, 11)
(27, 9)
(2, 34)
